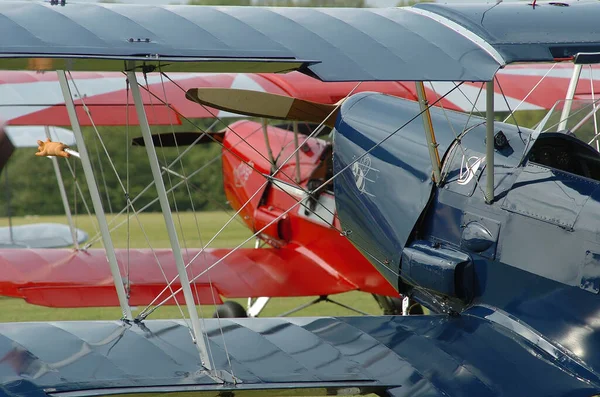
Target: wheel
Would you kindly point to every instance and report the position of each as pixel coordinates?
(230, 309)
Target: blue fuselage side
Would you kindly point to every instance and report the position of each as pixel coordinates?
(534, 253)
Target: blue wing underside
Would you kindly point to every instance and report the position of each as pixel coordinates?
(392, 355)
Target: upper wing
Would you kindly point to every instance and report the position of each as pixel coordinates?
(66, 278)
(430, 42)
(417, 356)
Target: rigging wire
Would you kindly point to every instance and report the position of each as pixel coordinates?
(173, 296)
(205, 335)
(215, 116)
(77, 189)
(296, 150)
(144, 315)
(278, 170)
(268, 179)
(235, 133)
(292, 179)
(102, 176)
(97, 237)
(530, 91)
(510, 112)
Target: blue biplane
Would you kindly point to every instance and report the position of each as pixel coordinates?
(505, 251)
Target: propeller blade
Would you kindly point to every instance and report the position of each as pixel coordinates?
(264, 104)
(170, 139)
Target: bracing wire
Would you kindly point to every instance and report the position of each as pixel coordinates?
(268, 178)
(279, 169)
(77, 189)
(530, 92)
(510, 111)
(144, 314)
(97, 237)
(458, 140)
(235, 154)
(103, 177)
(124, 192)
(173, 193)
(196, 221)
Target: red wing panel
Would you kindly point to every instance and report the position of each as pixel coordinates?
(105, 295)
(66, 278)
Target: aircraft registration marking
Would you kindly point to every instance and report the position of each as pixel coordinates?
(242, 172)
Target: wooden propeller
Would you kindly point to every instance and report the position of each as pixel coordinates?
(264, 104)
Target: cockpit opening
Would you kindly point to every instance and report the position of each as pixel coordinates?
(565, 152)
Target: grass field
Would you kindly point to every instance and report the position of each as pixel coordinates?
(153, 227)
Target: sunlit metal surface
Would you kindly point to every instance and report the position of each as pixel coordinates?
(413, 355)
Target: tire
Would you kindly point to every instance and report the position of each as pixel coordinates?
(230, 309)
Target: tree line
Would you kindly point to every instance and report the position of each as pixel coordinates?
(30, 185)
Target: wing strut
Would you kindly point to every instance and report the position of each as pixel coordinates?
(95, 195)
(489, 138)
(429, 133)
(168, 216)
(569, 97)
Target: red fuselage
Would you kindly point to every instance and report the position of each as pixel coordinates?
(310, 234)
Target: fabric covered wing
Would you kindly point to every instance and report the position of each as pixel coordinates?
(29, 98)
(66, 278)
(40, 235)
(433, 43)
(392, 355)
(340, 44)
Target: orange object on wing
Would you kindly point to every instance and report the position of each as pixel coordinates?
(49, 148)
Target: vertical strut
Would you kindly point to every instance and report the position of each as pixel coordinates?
(489, 139)
(166, 210)
(63, 194)
(8, 210)
(297, 152)
(267, 144)
(95, 195)
(569, 98)
(429, 133)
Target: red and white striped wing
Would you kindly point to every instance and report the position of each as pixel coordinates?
(517, 83)
(30, 98)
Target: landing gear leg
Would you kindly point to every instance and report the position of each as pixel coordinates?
(392, 306)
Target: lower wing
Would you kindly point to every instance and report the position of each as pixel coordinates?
(417, 356)
(68, 278)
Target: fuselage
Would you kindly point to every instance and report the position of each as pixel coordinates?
(530, 260)
(311, 228)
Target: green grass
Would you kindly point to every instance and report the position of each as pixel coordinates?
(153, 227)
